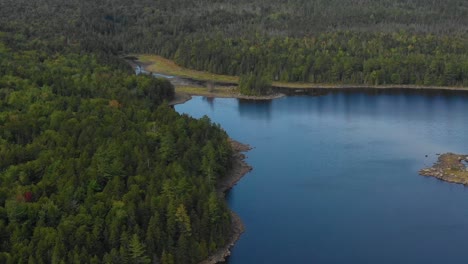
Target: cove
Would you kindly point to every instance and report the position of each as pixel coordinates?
(335, 176)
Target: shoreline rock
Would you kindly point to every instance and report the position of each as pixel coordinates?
(238, 169)
(180, 98)
(449, 167)
(241, 96)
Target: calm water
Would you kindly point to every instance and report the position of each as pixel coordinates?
(335, 177)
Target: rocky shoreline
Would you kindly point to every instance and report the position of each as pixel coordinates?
(449, 167)
(237, 95)
(238, 169)
(254, 97)
(180, 98)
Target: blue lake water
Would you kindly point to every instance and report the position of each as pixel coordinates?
(335, 177)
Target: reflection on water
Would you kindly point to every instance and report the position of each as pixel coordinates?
(210, 101)
(389, 103)
(335, 177)
(255, 109)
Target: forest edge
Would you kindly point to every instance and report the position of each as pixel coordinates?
(238, 169)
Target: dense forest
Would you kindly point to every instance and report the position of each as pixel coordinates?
(95, 167)
(420, 42)
(345, 58)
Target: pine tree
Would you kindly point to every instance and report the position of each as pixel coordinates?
(137, 251)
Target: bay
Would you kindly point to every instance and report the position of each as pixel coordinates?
(335, 177)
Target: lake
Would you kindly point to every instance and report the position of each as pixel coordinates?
(335, 177)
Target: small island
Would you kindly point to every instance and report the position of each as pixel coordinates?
(449, 167)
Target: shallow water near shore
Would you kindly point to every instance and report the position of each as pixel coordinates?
(335, 177)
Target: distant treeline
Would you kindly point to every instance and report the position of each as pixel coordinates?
(418, 42)
(346, 57)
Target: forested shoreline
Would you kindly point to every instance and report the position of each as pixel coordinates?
(336, 58)
(95, 167)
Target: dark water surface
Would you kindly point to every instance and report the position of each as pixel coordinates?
(335, 177)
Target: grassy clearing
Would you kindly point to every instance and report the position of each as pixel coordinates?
(155, 63)
(204, 91)
(162, 65)
(451, 165)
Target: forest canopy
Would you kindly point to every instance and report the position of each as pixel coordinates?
(373, 42)
(95, 167)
